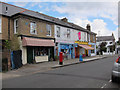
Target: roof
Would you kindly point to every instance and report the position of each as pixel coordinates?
(15, 10)
(105, 38)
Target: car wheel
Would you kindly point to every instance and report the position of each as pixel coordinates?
(113, 78)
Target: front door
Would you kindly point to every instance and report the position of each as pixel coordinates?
(29, 55)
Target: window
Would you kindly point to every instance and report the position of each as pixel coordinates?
(48, 27)
(68, 33)
(33, 28)
(0, 25)
(92, 51)
(58, 31)
(110, 42)
(15, 26)
(93, 38)
(6, 9)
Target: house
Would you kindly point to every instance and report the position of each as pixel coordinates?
(29, 32)
(40, 37)
(109, 43)
(73, 41)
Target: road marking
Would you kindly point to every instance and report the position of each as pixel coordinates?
(103, 86)
(110, 81)
(106, 84)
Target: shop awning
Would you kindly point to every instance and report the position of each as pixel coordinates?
(37, 42)
(86, 47)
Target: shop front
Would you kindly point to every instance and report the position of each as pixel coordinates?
(82, 48)
(38, 50)
(67, 49)
(92, 52)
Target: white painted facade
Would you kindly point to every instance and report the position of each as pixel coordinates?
(73, 35)
(109, 43)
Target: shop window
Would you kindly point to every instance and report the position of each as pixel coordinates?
(15, 26)
(48, 27)
(33, 28)
(41, 51)
(68, 33)
(58, 31)
(92, 51)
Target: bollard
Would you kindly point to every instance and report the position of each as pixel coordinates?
(80, 58)
(61, 58)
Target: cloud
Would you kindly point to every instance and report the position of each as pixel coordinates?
(84, 10)
(20, 4)
(98, 25)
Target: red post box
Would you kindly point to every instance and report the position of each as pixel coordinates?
(60, 58)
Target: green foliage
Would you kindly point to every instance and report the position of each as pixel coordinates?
(103, 47)
(13, 44)
(56, 58)
(7, 44)
(118, 43)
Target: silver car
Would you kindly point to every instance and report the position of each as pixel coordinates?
(116, 71)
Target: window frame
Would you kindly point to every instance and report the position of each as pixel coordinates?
(68, 33)
(15, 26)
(48, 29)
(58, 32)
(33, 28)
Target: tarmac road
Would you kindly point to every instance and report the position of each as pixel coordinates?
(94, 74)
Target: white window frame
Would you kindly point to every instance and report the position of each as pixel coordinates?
(68, 33)
(0, 24)
(48, 28)
(15, 26)
(58, 32)
(33, 28)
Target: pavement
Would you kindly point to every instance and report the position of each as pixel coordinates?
(94, 74)
(46, 66)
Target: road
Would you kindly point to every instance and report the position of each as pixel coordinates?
(94, 74)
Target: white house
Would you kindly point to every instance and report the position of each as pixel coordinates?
(110, 41)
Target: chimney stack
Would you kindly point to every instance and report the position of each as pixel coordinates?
(88, 27)
(65, 19)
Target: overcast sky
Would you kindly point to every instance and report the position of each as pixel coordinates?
(102, 16)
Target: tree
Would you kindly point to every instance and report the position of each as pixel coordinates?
(103, 47)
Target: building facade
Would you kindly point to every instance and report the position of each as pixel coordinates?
(41, 37)
(109, 42)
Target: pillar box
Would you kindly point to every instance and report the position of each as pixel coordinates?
(61, 58)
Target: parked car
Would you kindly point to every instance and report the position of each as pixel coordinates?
(116, 71)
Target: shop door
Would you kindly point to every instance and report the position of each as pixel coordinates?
(29, 55)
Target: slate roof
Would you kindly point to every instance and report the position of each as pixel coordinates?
(105, 38)
(15, 10)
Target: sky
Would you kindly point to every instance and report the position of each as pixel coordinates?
(102, 16)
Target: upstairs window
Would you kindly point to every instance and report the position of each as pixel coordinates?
(48, 27)
(68, 33)
(33, 28)
(110, 43)
(15, 26)
(58, 31)
(93, 38)
(0, 25)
